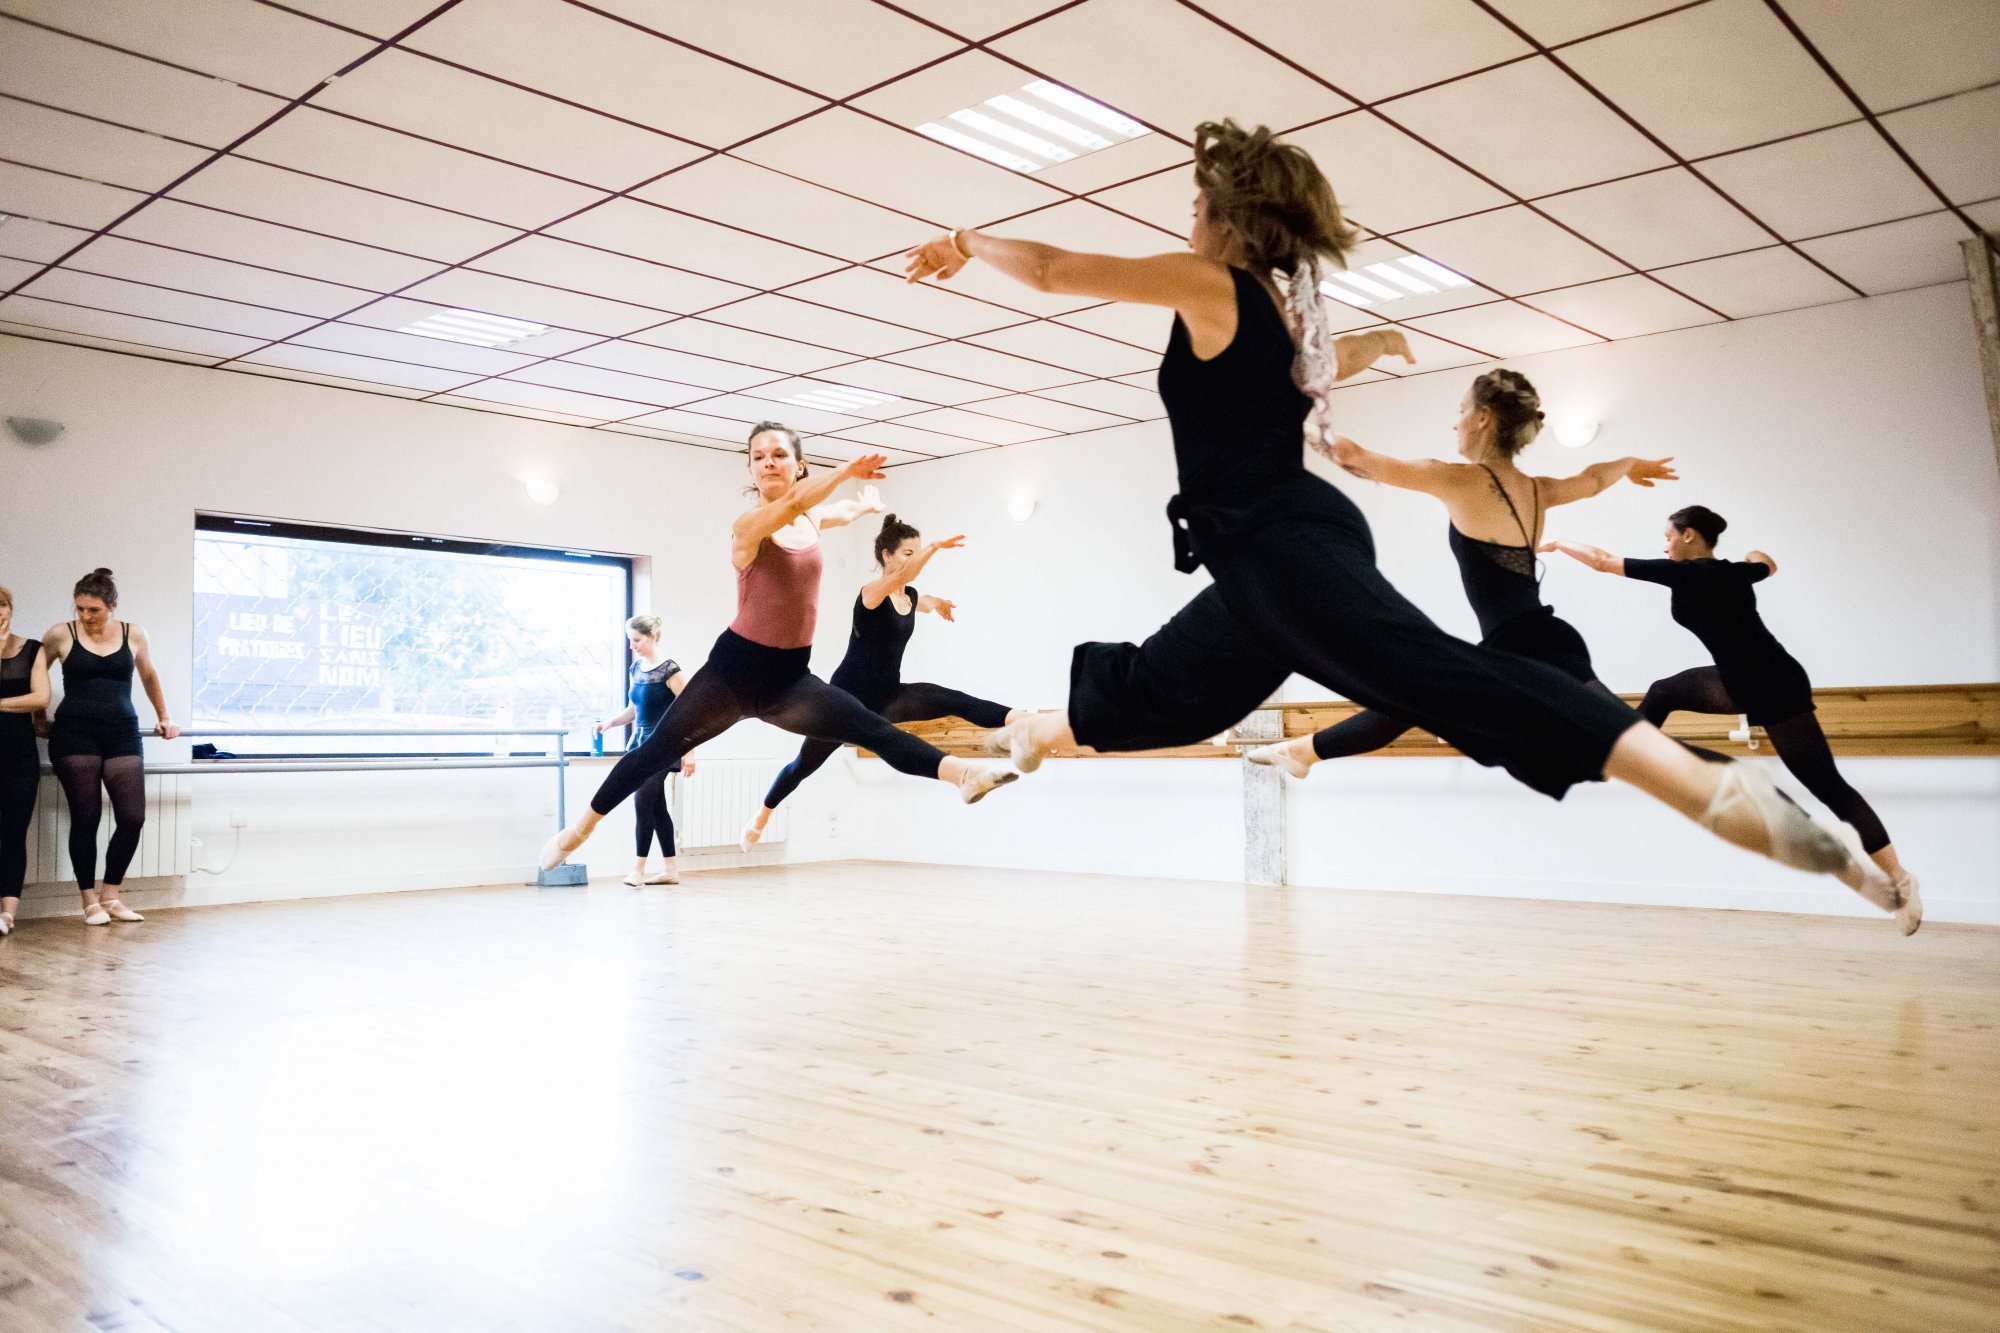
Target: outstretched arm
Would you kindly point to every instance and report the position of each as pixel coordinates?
(1410, 474)
(1601, 477)
(1183, 281)
(754, 526)
(1596, 557)
(887, 585)
(839, 513)
(940, 605)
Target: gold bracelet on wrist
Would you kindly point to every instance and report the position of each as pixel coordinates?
(963, 253)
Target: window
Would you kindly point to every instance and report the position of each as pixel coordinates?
(302, 627)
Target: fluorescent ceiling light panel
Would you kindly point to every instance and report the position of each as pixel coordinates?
(1412, 275)
(841, 398)
(1381, 291)
(1408, 281)
(474, 327)
(1435, 271)
(1033, 127)
(1327, 288)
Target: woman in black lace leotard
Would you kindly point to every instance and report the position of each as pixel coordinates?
(656, 679)
(1247, 379)
(24, 692)
(1496, 522)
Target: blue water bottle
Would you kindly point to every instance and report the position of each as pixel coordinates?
(597, 736)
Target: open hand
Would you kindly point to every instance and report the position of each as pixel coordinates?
(950, 543)
(870, 499)
(687, 768)
(944, 607)
(1646, 471)
(866, 467)
(937, 258)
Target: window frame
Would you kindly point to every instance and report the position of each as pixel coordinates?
(216, 521)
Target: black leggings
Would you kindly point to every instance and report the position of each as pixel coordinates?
(744, 679)
(1798, 740)
(1303, 594)
(651, 817)
(896, 702)
(20, 781)
(84, 778)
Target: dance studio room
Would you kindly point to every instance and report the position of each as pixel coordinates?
(1118, 665)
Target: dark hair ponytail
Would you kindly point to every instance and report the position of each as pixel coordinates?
(1516, 408)
(1700, 519)
(97, 583)
(893, 534)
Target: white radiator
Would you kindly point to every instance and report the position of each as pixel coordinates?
(166, 845)
(711, 808)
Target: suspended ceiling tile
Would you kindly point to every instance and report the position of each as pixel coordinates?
(1092, 228)
(770, 204)
(689, 243)
(1715, 77)
(43, 242)
(1791, 185)
(412, 348)
(781, 317)
(369, 369)
(1624, 307)
(129, 348)
(1953, 141)
(1625, 218)
(407, 92)
(609, 383)
(161, 303)
(1506, 329)
(910, 384)
(277, 195)
(592, 407)
(13, 272)
(975, 20)
(125, 328)
(1164, 64)
(928, 307)
(1166, 200)
(287, 249)
(1512, 251)
(895, 436)
(1553, 21)
(1575, 140)
(970, 425)
(597, 272)
(329, 381)
(663, 363)
(1914, 252)
(1385, 179)
(781, 393)
(1434, 353)
(1756, 283)
(840, 448)
(1124, 400)
(500, 406)
(1067, 348)
(707, 338)
(495, 295)
(395, 163)
(1895, 54)
(1144, 326)
(1371, 51)
(982, 366)
(986, 283)
(1120, 162)
(684, 422)
(78, 76)
(239, 40)
(65, 199)
(834, 47)
(897, 168)
(119, 258)
(77, 146)
(1038, 411)
(569, 52)
(377, 18)
(739, 407)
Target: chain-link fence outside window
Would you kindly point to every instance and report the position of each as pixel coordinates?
(301, 632)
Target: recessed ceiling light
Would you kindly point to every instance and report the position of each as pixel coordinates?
(474, 327)
(841, 398)
(1035, 126)
(1412, 274)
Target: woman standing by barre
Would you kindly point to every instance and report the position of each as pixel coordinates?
(759, 667)
(885, 615)
(656, 679)
(1496, 521)
(1249, 369)
(94, 743)
(1753, 675)
(24, 692)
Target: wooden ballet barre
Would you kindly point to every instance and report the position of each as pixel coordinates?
(1910, 720)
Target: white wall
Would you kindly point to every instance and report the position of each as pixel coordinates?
(1849, 440)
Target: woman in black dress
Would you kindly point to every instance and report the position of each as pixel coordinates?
(655, 680)
(24, 691)
(1753, 675)
(1247, 379)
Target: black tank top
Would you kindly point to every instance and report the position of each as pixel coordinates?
(1499, 579)
(651, 695)
(98, 687)
(17, 730)
(876, 643)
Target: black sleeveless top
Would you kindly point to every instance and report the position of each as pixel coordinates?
(17, 730)
(1717, 601)
(1499, 579)
(651, 696)
(98, 687)
(876, 644)
(1238, 422)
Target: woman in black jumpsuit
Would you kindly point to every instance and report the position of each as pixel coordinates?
(1296, 588)
(885, 616)
(1716, 600)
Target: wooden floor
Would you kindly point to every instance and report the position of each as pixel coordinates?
(889, 1097)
